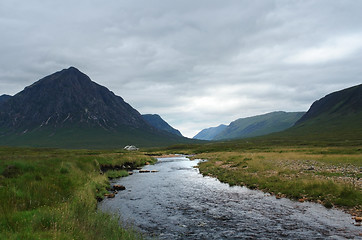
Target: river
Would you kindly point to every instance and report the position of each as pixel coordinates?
(177, 202)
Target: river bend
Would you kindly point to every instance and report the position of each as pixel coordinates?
(177, 202)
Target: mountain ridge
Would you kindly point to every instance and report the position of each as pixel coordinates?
(67, 95)
(210, 133)
(341, 102)
(336, 116)
(156, 121)
(4, 98)
(258, 125)
(68, 101)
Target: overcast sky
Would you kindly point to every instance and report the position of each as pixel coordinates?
(196, 63)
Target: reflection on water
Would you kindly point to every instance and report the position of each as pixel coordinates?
(179, 203)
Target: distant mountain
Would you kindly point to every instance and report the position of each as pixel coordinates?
(337, 115)
(67, 109)
(4, 98)
(259, 125)
(67, 97)
(157, 122)
(210, 133)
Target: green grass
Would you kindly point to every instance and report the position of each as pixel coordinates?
(116, 174)
(312, 173)
(51, 194)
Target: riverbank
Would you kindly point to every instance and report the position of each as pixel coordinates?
(50, 193)
(327, 175)
(177, 202)
(53, 193)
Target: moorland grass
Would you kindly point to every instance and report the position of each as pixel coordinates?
(51, 193)
(322, 169)
(330, 176)
(116, 174)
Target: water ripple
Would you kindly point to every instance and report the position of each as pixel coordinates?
(179, 203)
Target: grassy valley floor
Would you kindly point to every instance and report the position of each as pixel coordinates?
(52, 194)
(327, 175)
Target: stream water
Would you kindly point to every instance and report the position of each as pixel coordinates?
(177, 202)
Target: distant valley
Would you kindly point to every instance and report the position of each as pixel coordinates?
(335, 116)
(252, 126)
(210, 133)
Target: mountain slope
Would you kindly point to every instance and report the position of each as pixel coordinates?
(335, 116)
(210, 133)
(4, 98)
(67, 109)
(259, 125)
(67, 97)
(340, 103)
(157, 122)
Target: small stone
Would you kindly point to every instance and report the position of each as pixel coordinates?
(118, 187)
(109, 195)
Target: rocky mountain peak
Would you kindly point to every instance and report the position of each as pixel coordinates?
(68, 96)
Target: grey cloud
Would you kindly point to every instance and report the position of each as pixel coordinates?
(197, 63)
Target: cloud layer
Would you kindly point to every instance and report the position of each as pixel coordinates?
(196, 63)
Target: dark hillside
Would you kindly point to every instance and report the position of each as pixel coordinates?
(335, 117)
(67, 109)
(4, 98)
(67, 97)
(156, 121)
(341, 103)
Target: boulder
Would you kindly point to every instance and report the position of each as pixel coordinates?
(109, 195)
(118, 187)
